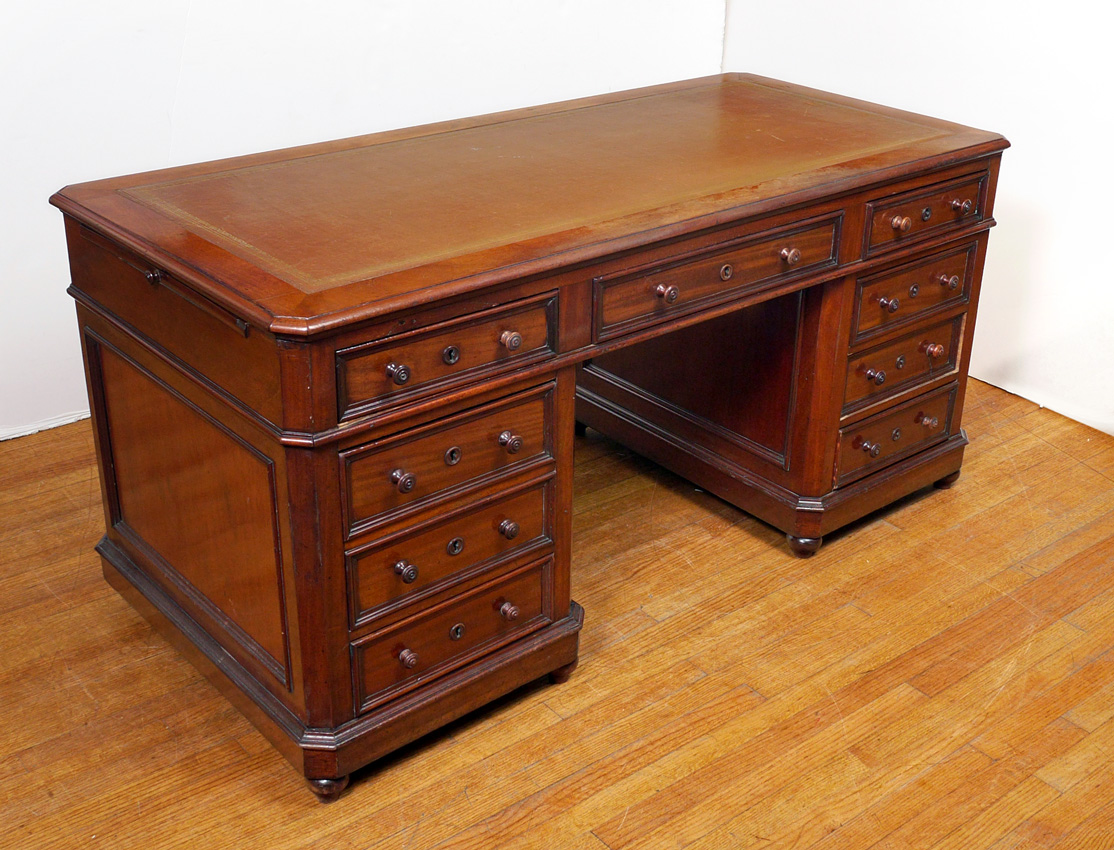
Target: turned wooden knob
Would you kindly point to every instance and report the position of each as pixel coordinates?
(668, 294)
(406, 571)
(511, 442)
(398, 372)
(511, 340)
(901, 223)
(876, 376)
(404, 481)
(933, 350)
(951, 282)
(408, 658)
(890, 305)
(508, 612)
(154, 276)
(792, 256)
(509, 529)
(726, 271)
(962, 205)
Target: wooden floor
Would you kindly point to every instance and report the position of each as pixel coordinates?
(939, 675)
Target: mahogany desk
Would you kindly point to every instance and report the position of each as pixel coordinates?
(334, 387)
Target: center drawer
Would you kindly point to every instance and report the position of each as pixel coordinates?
(428, 465)
(633, 298)
(410, 653)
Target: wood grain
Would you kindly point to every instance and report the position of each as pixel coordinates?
(940, 676)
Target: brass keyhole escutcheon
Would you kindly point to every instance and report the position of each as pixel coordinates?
(926, 213)
(456, 546)
(452, 456)
(457, 631)
(450, 355)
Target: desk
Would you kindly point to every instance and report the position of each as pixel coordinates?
(334, 388)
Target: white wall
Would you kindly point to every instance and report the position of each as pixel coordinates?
(99, 89)
(1038, 73)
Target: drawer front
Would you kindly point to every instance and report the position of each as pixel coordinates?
(375, 374)
(397, 659)
(921, 213)
(883, 439)
(445, 459)
(411, 565)
(633, 299)
(920, 356)
(903, 295)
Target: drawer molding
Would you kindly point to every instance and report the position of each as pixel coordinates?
(893, 434)
(371, 497)
(921, 288)
(385, 676)
(430, 583)
(895, 222)
(425, 361)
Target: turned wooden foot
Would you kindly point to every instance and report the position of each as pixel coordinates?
(803, 547)
(327, 790)
(580, 428)
(947, 481)
(561, 674)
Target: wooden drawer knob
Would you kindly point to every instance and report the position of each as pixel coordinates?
(933, 350)
(668, 294)
(511, 442)
(890, 305)
(962, 205)
(950, 281)
(406, 571)
(408, 658)
(508, 612)
(511, 340)
(901, 223)
(398, 372)
(404, 481)
(509, 529)
(929, 422)
(876, 376)
(791, 256)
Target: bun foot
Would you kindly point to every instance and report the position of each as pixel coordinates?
(947, 481)
(327, 790)
(561, 674)
(803, 547)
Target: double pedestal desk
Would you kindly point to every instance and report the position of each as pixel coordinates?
(334, 388)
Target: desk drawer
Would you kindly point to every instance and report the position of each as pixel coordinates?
(888, 369)
(373, 374)
(435, 641)
(883, 439)
(902, 295)
(446, 458)
(410, 565)
(908, 217)
(631, 299)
